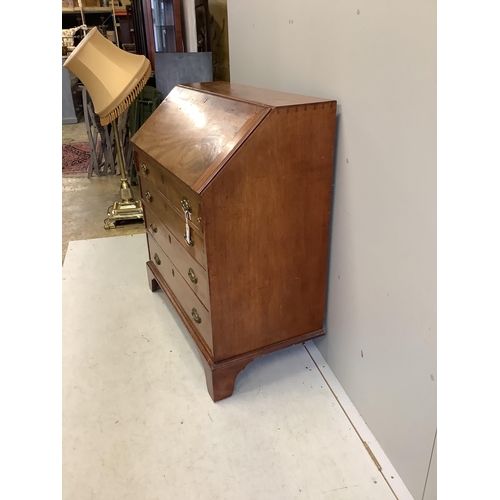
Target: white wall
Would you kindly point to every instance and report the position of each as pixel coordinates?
(378, 60)
(189, 19)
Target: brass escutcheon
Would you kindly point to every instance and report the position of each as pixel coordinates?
(153, 227)
(186, 207)
(192, 276)
(157, 259)
(196, 316)
(149, 197)
(144, 168)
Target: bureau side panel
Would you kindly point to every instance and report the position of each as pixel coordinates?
(267, 216)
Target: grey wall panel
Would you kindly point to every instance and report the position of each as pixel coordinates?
(172, 68)
(378, 59)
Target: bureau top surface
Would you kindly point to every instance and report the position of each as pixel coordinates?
(256, 95)
(198, 126)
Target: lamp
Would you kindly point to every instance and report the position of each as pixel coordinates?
(113, 78)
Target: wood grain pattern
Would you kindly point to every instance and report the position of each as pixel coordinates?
(153, 199)
(264, 199)
(254, 95)
(172, 189)
(181, 259)
(186, 297)
(203, 348)
(267, 231)
(220, 376)
(195, 129)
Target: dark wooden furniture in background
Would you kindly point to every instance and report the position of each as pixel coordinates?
(126, 29)
(157, 27)
(137, 12)
(203, 35)
(236, 184)
(144, 27)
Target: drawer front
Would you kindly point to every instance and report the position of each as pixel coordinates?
(174, 190)
(175, 223)
(192, 272)
(195, 310)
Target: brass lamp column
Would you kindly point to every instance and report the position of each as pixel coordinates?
(127, 208)
(113, 78)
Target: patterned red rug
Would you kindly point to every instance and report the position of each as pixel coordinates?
(75, 158)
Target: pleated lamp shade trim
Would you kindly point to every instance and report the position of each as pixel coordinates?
(107, 118)
(113, 78)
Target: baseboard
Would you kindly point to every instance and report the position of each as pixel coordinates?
(385, 466)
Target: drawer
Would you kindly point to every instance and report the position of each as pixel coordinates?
(195, 310)
(175, 223)
(192, 272)
(174, 190)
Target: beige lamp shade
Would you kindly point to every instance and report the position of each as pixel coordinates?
(112, 77)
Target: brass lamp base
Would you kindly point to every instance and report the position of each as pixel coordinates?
(123, 211)
(127, 209)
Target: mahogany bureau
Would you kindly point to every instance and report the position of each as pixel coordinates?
(236, 184)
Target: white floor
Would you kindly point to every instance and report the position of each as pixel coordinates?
(138, 422)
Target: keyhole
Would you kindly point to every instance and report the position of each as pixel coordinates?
(173, 274)
(169, 239)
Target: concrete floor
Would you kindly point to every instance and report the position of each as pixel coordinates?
(137, 419)
(138, 422)
(85, 201)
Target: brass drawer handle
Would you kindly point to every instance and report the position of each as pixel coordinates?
(153, 227)
(149, 197)
(187, 217)
(192, 276)
(196, 316)
(144, 168)
(187, 238)
(157, 259)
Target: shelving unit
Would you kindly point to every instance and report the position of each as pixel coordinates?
(87, 9)
(90, 16)
(72, 110)
(94, 16)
